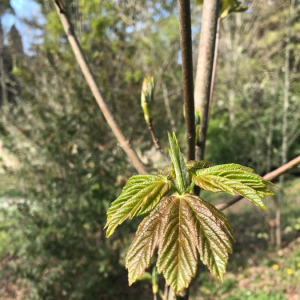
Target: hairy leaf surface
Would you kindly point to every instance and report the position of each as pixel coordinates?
(193, 165)
(233, 178)
(212, 242)
(140, 195)
(177, 256)
(145, 242)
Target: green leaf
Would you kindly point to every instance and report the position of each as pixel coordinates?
(179, 170)
(179, 226)
(233, 178)
(140, 195)
(145, 242)
(177, 256)
(212, 242)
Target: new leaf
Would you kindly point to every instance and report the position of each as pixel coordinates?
(233, 178)
(140, 195)
(179, 226)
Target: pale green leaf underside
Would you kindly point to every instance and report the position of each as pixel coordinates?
(232, 179)
(140, 195)
(180, 226)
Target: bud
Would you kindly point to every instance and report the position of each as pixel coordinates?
(147, 97)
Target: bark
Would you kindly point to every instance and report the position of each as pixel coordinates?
(214, 70)
(284, 149)
(270, 176)
(187, 74)
(123, 142)
(205, 67)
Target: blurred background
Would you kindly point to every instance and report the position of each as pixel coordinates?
(61, 167)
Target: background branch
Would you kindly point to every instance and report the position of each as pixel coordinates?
(123, 142)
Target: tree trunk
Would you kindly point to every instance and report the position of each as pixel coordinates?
(123, 142)
(205, 67)
(284, 124)
(214, 70)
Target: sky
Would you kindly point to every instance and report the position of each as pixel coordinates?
(28, 9)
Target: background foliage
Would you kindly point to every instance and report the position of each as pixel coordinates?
(68, 167)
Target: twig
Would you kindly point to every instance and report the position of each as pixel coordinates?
(157, 143)
(187, 74)
(123, 142)
(270, 176)
(204, 68)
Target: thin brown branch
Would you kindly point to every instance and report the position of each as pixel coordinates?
(270, 176)
(184, 13)
(210, 16)
(157, 143)
(123, 142)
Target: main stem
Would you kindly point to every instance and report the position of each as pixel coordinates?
(187, 74)
(111, 121)
(205, 62)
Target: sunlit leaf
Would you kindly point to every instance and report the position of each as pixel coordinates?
(140, 195)
(190, 223)
(232, 179)
(145, 242)
(179, 170)
(177, 256)
(212, 242)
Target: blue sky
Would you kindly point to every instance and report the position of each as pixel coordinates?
(28, 9)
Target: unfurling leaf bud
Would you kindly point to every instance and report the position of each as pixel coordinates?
(147, 97)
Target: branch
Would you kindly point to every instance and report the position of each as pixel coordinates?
(205, 67)
(123, 142)
(270, 176)
(157, 143)
(187, 74)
